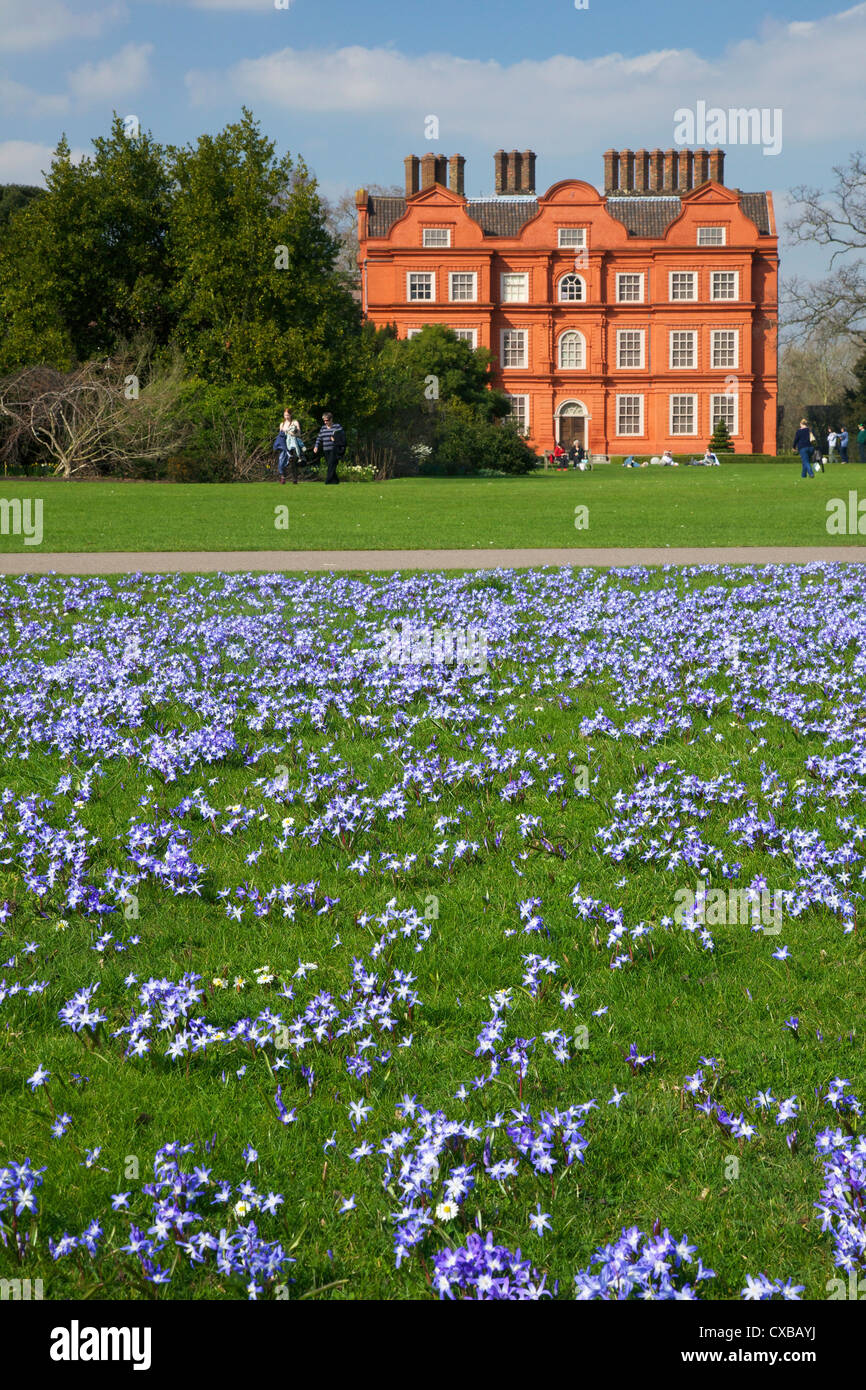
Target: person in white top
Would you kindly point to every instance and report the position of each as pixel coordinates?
(832, 441)
(291, 429)
(668, 459)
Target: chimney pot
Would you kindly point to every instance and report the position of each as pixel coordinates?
(428, 170)
(641, 171)
(528, 171)
(670, 171)
(411, 165)
(500, 166)
(611, 171)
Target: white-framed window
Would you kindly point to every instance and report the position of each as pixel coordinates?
(515, 287)
(629, 347)
(467, 335)
(412, 332)
(629, 415)
(420, 285)
(629, 288)
(683, 348)
(570, 237)
(436, 236)
(684, 415)
(520, 412)
(683, 284)
(724, 407)
(712, 236)
(572, 350)
(572, 289)
(514, 351)
(724, 284)
(725, 347)
(462, 286)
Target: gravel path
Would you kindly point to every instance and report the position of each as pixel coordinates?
(224, 561)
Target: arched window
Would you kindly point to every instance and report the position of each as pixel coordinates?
(571, 288)
(572, 349)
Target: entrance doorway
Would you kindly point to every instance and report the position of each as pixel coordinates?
(571, 421)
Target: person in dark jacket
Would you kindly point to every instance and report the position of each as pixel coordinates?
(861, 443)
(804, 445)
(331, 439)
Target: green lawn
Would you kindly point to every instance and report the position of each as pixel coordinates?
(263, 657)
(740, 503)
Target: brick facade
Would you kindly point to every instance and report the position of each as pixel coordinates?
(516, 273)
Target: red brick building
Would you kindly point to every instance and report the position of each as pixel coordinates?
(629, 321)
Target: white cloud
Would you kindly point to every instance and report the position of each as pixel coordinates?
(124, 74)
(22, 161)
(39, 25)
(18, 100)
(562, 102)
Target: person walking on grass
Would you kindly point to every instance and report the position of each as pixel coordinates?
(843, 444)
(331, 439)
(804, 444)
(290, 429)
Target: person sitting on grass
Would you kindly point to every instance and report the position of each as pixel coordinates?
(667, 460)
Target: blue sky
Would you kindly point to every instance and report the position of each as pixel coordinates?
(350, 85)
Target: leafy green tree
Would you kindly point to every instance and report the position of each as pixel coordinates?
(854, 411)
(83, 268)
(721, 442)
(14, 196)
(436, 360)
(255, 290)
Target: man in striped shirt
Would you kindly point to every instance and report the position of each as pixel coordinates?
(331, 439)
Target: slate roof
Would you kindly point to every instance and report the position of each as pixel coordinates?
(642, 216)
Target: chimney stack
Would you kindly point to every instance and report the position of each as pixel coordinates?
(701, 171)
(528, 171)
(684, 170)
(656, 170)
(626, 171)
(611, 171)
(669, 184)
(500, 167)
(428, 170)
(456, 167)
(641, 171)
(717, 165)
(515, 170)
(411, 164)
(442, 170)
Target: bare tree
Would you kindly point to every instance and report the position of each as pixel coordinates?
(98, 416)
(836, 304)
(342, 218)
